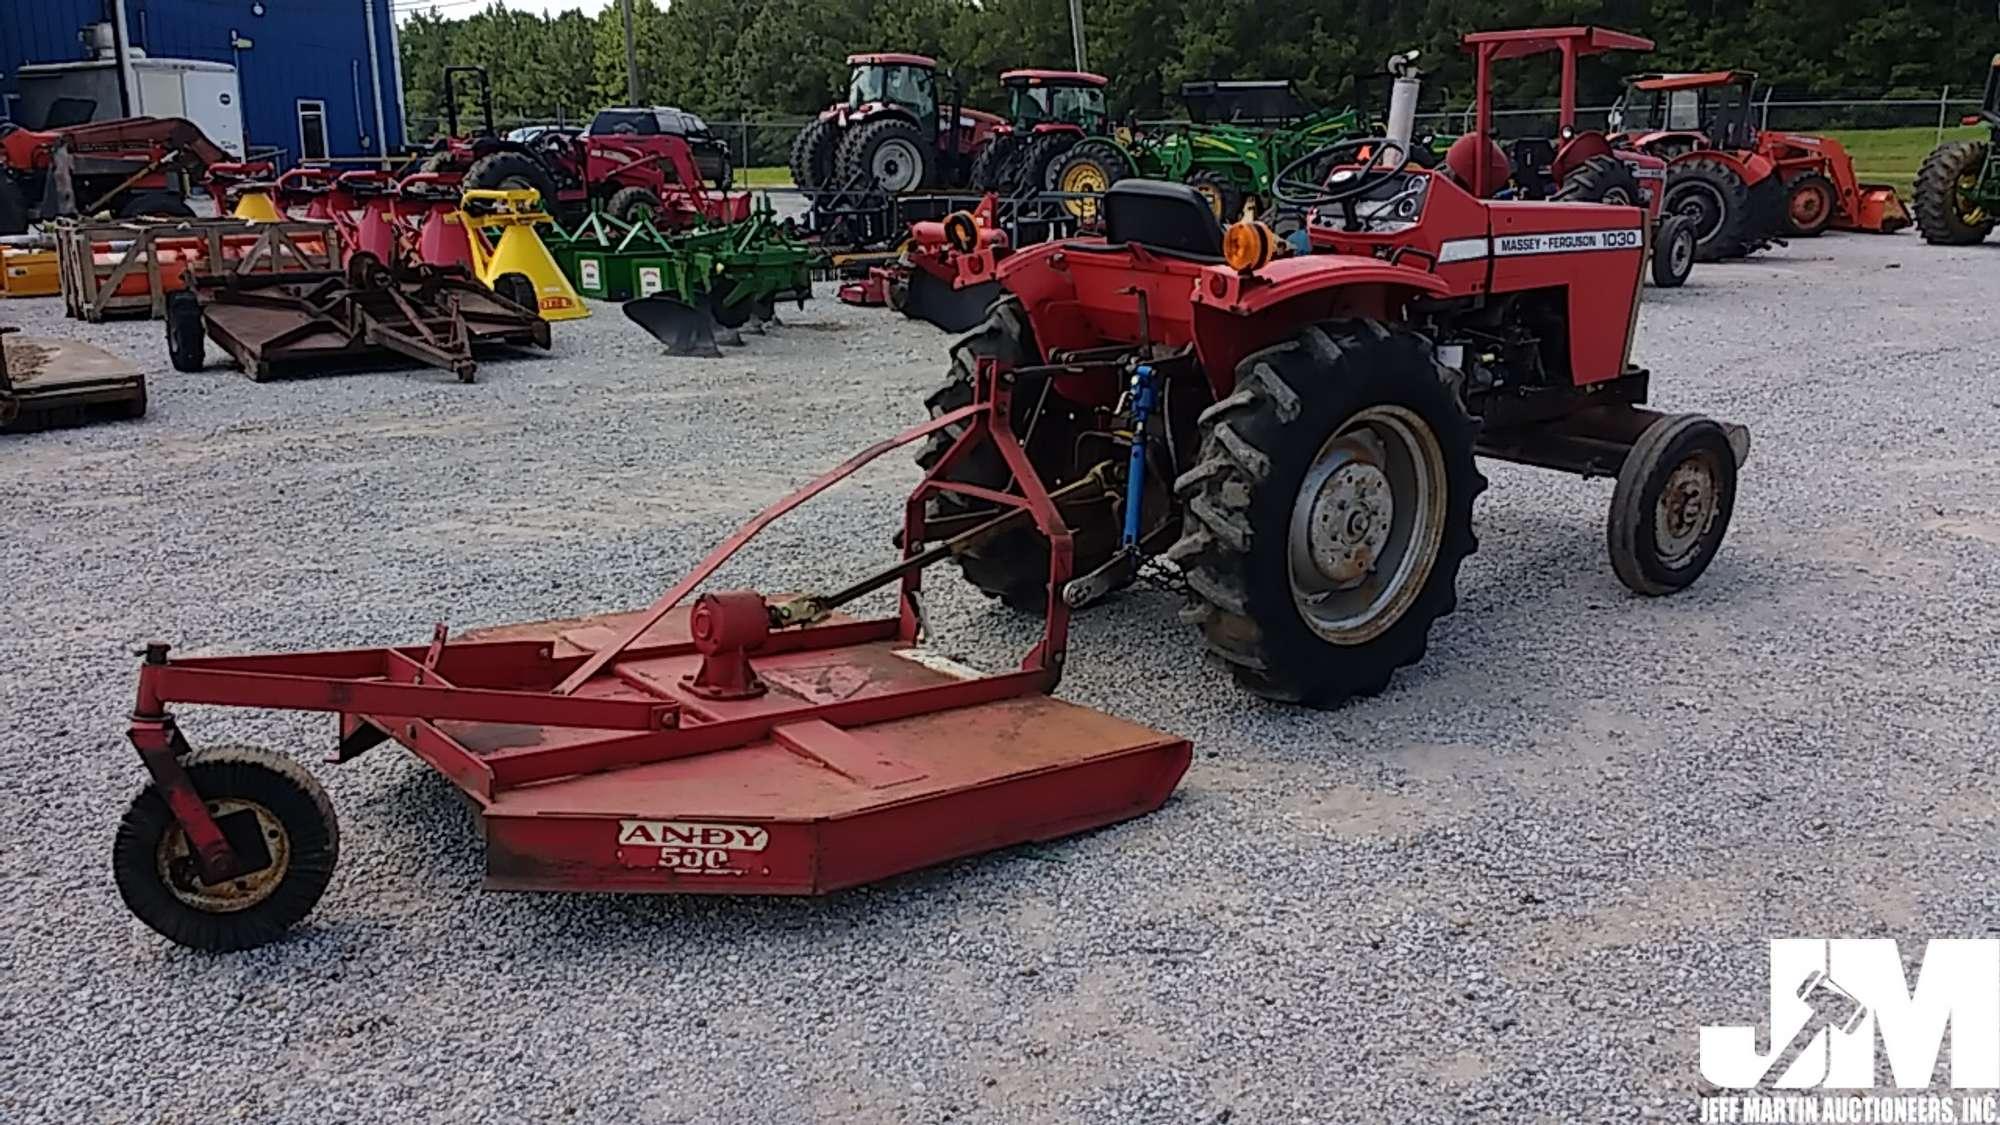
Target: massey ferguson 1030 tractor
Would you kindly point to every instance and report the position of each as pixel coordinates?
(1298, 433)
(1958, 187)
(1702, 124)
(894, 133)
(1049, 112)
(1581, 165)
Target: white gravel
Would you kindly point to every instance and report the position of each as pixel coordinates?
(1509, 889)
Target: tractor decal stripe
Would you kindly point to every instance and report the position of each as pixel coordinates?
(1464, 250)
(1568, 242)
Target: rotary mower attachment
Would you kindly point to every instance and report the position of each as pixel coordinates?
(745, 745)
(46, 383)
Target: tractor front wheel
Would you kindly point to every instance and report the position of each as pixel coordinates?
(1810, 203)
(1013, 566)
(277, 820)
(1949, 211)
(507, 170)
(1676, 491)
(631, 204)
(1328, 513)
(1219, 192)
(1716, 203)
(1089, 168)
(1673, 252)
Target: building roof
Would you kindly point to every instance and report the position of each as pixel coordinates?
(1541, 40)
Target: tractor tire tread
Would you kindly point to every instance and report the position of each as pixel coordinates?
(1938, 217)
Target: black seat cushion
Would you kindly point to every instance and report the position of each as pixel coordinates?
(1161, 216)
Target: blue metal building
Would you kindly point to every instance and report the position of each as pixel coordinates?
(312, 73)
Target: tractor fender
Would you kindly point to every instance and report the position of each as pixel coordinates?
(1236, 313)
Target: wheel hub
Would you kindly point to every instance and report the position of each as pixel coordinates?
(1702, 208)
(180, 867)
(1351, 519)
(895, 166)
(1686, 510)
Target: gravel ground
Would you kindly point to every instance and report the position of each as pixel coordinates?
(1511, 888)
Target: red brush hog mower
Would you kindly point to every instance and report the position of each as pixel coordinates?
(945, 277)
(745, 745)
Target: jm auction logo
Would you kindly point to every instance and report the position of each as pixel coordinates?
(1840, 1006)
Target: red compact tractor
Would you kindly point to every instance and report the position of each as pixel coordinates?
(130, 167)
(1578, 165)
(1729, 176)
(894, 133)
(1050, 111)
(1298, 433)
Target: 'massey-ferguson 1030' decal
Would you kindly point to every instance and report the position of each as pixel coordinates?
(1570, 242)
(689, 847)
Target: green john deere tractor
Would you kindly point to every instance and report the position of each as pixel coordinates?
(1958, 187)
(1238, 136)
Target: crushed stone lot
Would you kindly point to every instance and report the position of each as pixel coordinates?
(1511, 888)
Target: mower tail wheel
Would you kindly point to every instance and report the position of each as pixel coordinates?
(187, 335)
(1013, 566)
(1948, 210)
(1716, 203)
(1676, 491)
(1810, 203)
(275, 817)
(1328, 512)
(1673, 252)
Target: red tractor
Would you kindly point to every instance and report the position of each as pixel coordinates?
(1581, 165)
(1298, 432)
(1050, 111)
(643, 163)
(130, 167)
(1701, 122)
(894, 133)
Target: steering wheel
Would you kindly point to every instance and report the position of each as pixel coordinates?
(1295, 186)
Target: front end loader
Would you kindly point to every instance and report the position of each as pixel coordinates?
(1958, 186)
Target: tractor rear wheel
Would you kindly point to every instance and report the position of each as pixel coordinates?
(13, 206)
(1601, 179)
(1676, 491)
(1219, 192)
(812, 154)
(1948, 211)
(1088, 169)
(1041, 159)
(512, 171)
(1810, 203)
(1014, 565)
(276, 818)
(892, 156)
(988, 165)
(1328, 512)
(1716, 203)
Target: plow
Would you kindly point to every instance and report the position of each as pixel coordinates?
(1291, 436)
(706, 286)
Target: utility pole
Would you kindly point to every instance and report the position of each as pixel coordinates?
(1076, 32)
(631, 57)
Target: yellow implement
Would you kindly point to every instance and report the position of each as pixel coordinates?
(28, 273)
(509, 258)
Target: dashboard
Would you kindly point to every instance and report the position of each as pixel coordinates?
(1393, 205)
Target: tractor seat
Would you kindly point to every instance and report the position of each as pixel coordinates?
(1171, 218)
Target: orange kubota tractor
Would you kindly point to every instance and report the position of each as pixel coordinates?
(130, 167)
(1702, 124)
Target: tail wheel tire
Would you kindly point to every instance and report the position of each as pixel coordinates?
(1601, 179)
(1673, 252)
(275, 817)
(631, 204)
(892, 155)
(1715, 202)
(1328, 512)
(812, 154)
(1676, 492)
(1810, 204)
(1089, 168)
(1222, 196)
(1948, 209)
(1013, 566)
(187, 336)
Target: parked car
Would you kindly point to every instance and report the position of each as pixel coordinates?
(711, 153)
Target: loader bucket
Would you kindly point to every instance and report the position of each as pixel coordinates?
(934, 301)
(684, 329)
(1880, 210)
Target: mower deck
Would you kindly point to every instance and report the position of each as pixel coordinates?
(47, 383)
